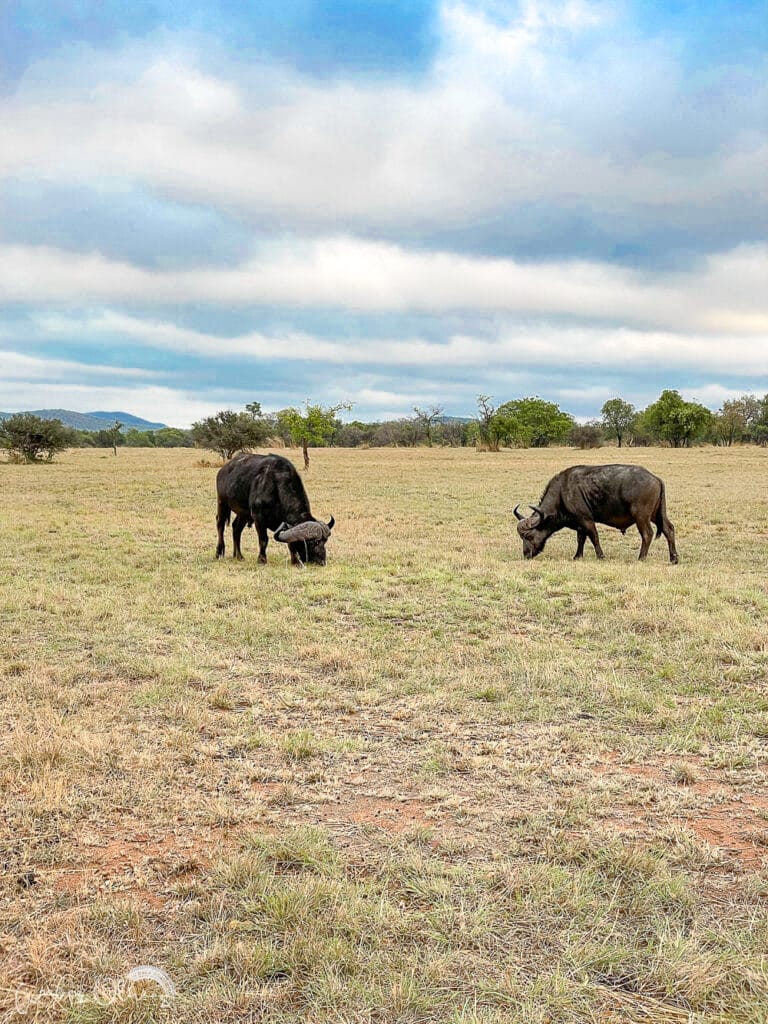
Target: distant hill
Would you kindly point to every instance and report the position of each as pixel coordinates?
(90, 420)
(128, 419)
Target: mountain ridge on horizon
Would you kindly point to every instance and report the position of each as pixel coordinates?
(100, 420)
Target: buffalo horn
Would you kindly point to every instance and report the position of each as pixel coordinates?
(518, 515)
(331, 524)
(538, 511)
(311, 530)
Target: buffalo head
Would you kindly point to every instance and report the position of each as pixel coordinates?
(533, 531)
(306, 540)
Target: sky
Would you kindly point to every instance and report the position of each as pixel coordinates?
(388, 202)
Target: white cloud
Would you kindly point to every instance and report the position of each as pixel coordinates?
(509, 346)
(724, 296)
(596, 394)
(17, 366)
(528, 107)
(395, 399)
(505, 117)
(713, 395)
(487, 33)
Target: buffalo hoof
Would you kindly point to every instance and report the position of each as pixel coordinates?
(220, 551)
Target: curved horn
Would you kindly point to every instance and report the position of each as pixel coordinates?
(518, 515)
(281, 527)
(331, 524)
(311, 530)
(537, 510)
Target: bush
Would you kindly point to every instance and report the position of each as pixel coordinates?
(29, 438)
(586, 435)
(397, 434)
(230, 432)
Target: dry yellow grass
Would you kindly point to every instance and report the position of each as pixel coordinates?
(429, 782)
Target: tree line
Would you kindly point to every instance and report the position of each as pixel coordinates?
(520, 423)
(529, 422)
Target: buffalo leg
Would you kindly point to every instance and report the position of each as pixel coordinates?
(591, 531)
(646, 532)
(669, 532)
(581, 536)
(222, 518)
(238, 526)
(263, 541)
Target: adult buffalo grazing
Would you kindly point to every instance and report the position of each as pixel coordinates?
(266, 491)
(582, 496)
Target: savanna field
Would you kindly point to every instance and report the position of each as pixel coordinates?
(430, 782)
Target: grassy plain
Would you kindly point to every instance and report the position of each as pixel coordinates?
(429, 782)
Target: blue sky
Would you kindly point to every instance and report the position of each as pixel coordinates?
(397, 203)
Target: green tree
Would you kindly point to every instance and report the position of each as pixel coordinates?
(108, 438)
(532, 423)
(229, 432)
(751, 408)
(355, 434)
(165, 437)
(29, 438)
(81, 438)
(173, 437)
(139, 438)
(730, 422)
(618, 418)
(759, 425)
(315, 427)
(736, 419)
(670, 418)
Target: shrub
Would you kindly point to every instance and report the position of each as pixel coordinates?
(586, 435)
(229, 432)
(29, 438)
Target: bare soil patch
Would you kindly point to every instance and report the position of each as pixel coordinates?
(732, 819)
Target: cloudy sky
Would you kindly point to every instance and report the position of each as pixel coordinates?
(395, 202)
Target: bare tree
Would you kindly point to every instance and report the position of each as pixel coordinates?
(427, 418)
(114, 431)
(486, 412)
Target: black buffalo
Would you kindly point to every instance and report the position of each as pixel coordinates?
(582, 496)
(266, 491)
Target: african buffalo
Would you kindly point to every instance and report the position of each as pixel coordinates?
(581, 496)
(266, 491)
